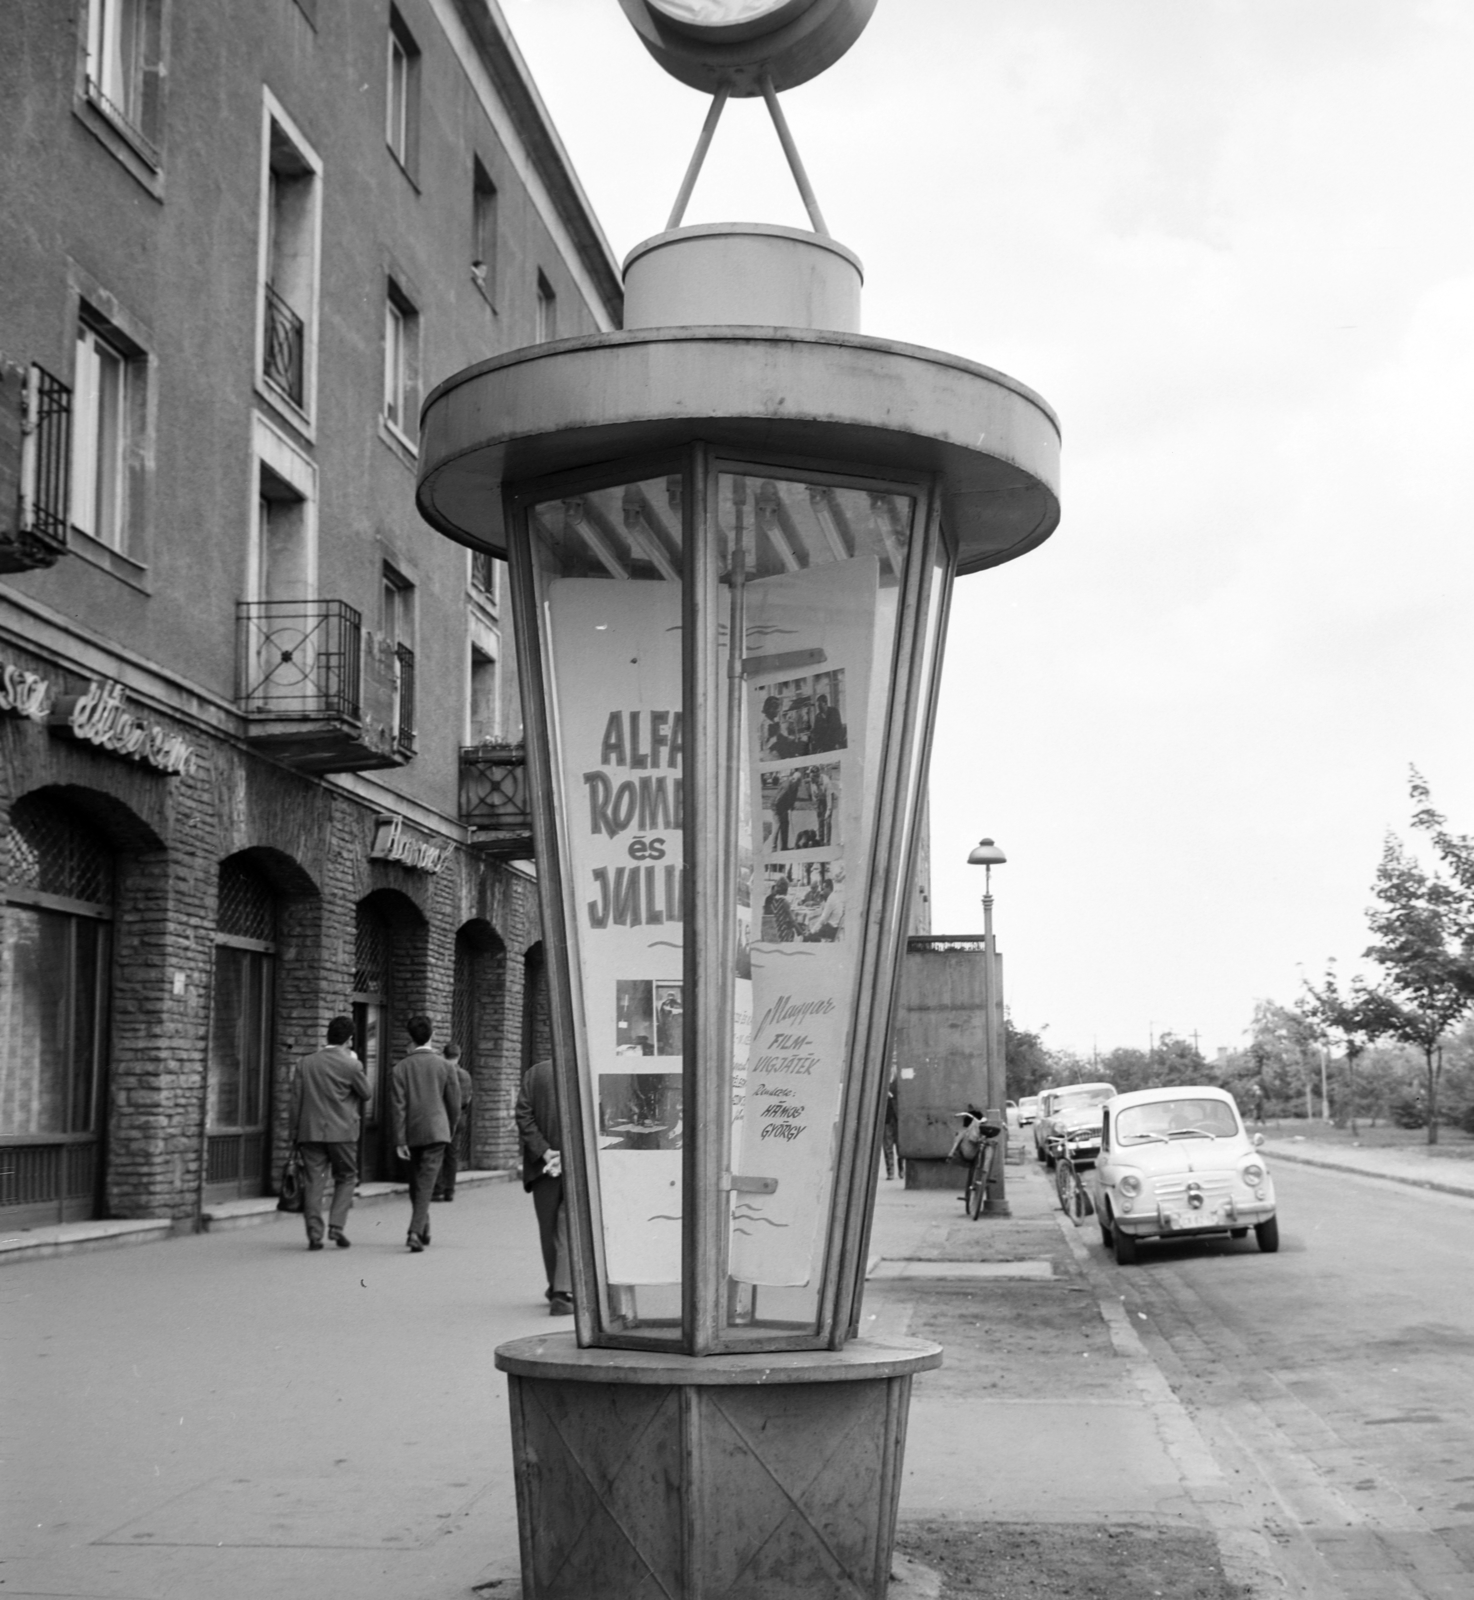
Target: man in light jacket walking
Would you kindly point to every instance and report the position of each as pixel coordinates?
(328, 1094)
(424, 1103)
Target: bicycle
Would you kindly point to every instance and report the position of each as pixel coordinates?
(983, 1136)
(1074, 1199)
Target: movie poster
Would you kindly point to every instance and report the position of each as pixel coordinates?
(810, 720)
(620, 754)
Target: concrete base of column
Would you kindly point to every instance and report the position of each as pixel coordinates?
(746, 1476)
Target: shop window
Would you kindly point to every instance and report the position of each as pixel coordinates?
(242, 1037)
(372, 1000)
(291, 233)
(107, 408)
(402, 101)
(124, 75)
(55, 976)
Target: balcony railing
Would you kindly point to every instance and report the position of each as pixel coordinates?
(494, 800)
(299, 658)
(35, 435)
(282, 357)
(125, 124)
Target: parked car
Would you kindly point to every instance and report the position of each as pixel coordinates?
(1070, 1117)
(1028, 1110)
(1179, 1163)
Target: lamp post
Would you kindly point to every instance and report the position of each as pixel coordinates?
(733, 528)
(987, 856)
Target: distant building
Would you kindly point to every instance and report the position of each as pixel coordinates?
(255, 718)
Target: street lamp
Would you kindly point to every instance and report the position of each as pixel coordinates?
(733, 528)
(987, 856)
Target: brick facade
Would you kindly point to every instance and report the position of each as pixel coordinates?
(310, 842)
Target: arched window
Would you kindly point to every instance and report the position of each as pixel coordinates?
(55, 975)
(242, 1036)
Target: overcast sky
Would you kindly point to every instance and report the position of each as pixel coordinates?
(1229, 241)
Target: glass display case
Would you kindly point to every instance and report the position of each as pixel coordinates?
(731, 665)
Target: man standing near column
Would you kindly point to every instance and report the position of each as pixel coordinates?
(542, 1176)
(328, 1094)
(424, 1102)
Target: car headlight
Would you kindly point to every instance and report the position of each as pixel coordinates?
(1253, 1173)
(1129, 1185)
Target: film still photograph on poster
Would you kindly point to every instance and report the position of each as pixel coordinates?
(802, 717)
(801, 808)
(640, 1111)
(804, 903)
(648, 1016)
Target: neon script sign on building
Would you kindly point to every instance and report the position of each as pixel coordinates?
(101, 717)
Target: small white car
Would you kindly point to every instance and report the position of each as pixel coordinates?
(1028, 1110)
(1178, 1163)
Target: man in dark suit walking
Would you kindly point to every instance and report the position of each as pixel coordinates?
(542, 1176)
(424, 1103)
(328, 1094)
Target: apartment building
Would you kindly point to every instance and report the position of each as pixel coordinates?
(259, 727)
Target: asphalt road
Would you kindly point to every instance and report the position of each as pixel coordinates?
(1334, 1381)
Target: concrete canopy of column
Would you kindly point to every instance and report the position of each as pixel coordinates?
(754, 390)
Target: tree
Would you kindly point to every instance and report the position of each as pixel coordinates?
(1423, 923)
(1349, 1015)
(1282, 1057)
(1027, 1064)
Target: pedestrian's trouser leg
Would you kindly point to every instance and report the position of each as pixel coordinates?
(547, 1201)
(445, 1186)
(315, 1158)
(424, 1169)
(562, 1273)
(344, 1159)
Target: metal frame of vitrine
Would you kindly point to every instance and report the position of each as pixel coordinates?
(925, 580)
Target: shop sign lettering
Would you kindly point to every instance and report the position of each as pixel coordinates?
(101, 718)
(394, 842)
(25, 694)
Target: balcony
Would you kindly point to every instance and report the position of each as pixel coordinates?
(281, 361)
(494, 802)
(319, 693)
(35, 467)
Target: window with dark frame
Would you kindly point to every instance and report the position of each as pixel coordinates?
(290, 284)
(123, 73)
(401, 361)
(106, 380)
(483, 231)
(402, 106)
(547, 311)
(397, 624)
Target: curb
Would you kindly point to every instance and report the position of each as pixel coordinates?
(1244, 1549)
(1332, 1164)
(73, 1238)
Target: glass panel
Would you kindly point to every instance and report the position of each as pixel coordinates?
(90, 946)
(53, 970)
(608, 565)
(227, 1038)
(257, 1040)
(811, 586)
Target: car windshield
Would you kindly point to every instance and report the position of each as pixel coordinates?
(1176, 1119)
(1077, 1099)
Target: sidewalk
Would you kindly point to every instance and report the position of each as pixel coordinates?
(1415, 1167)
(226, 1415)
(1048, 1409)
